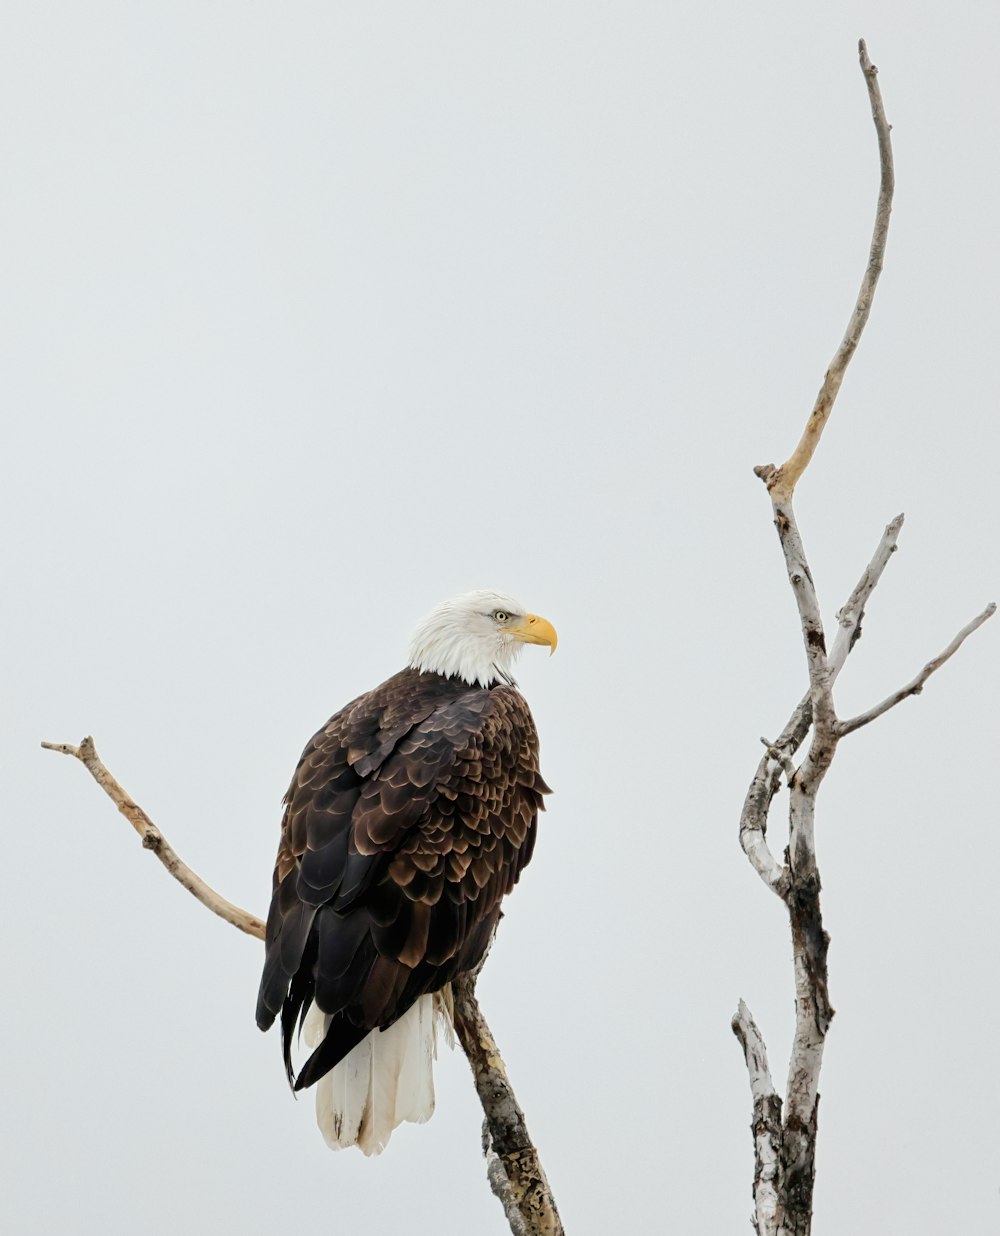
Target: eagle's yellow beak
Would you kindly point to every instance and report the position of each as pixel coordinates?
(534, 630)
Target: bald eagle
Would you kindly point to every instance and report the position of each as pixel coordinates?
(410, 815)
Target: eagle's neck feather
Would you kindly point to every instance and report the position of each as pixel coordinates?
(454, 653)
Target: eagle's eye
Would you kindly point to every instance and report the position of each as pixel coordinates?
(500, 615)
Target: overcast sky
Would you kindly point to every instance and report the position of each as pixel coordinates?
(316, 314)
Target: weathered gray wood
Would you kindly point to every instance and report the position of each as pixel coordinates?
(785, 1133)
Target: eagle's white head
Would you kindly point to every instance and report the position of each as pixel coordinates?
(477, 637)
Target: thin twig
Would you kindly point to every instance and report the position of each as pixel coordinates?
(153, 839)
(917, 685)
(782, 757)
(850, 616)
(781, 481)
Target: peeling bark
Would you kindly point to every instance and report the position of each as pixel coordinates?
(766, 1126)
(528, 1189)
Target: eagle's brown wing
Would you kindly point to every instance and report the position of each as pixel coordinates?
(410, 815)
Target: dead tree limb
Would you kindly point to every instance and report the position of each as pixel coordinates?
(766, 1117)
(785, 1134)
(917, 685)
(153, 839)
(778, 755)
(527, 1188)
(783, 480)
(514, 1170)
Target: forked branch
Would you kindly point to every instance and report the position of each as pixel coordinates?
(778, 755)
(785, 1135)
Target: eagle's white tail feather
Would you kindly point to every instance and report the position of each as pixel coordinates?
(387, 1079)
(415, 1094)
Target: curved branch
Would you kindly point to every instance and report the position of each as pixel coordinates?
(782, 481)
(753, 823)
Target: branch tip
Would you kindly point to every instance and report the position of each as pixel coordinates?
(916, 685)
(741, 1015)
(152, 839)
(782, 481)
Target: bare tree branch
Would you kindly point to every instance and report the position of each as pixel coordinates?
(500, 1184)
(153, 839)
(917, 685)
(766, 781)
(508, 1132)
(784, 1207)
(753, 825)
(781, 481)
(849, 618)
(526, 1198)
(813, 1011)
(785, 1139)
(766, 1119)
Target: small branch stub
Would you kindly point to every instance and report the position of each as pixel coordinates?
(767, 1130)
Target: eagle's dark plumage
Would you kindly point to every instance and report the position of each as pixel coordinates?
(410, 815)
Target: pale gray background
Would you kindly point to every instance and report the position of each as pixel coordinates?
(314, 314)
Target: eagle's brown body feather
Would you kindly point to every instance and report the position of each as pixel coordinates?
(410, 815)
